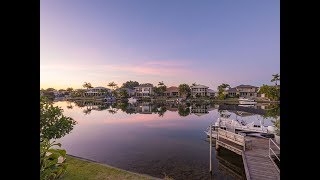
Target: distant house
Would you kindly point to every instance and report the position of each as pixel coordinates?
(200, 90)
(97, 91)
(144, 90)
(242, 91)
(247, 90)
(231, 92)
(212, 93)
(172, 91)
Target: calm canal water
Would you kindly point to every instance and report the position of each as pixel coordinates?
(152, 139)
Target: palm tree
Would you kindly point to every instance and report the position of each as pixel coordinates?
(222, 87)
(112, 85)
(87, 85)
(80, 92)
(161, 83)
(162, 88)
(184, 90)
(276, 78)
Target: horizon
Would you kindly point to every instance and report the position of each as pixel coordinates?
(205, 42)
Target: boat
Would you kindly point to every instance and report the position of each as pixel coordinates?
(246, 105)
(132, 100)
(239, 127)
(246, 101)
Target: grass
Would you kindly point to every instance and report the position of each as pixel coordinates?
(79, 169)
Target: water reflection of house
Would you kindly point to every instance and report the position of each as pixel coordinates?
(172, 107)
(97, 91)
(144, 108)
(200, 110)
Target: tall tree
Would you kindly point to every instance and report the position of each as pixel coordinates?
(53, 124)
(184, 90)
(112, 85)
(69, 89)
(276, 78)
(130, 84)
(87, 85)
(161, 88)
(50, 89)
(123, 93)
(194, 84)
(221, 88)
(271, 92)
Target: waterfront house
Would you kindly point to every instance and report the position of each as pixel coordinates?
(172, 91)
(200, 90)
(246, 91)
(97, 91)
(231, 92)
(144, 90)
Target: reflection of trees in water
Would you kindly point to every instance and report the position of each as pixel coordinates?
(161, 111)
(87, 111)
(159, 108)
(112, 111)
(183, 111)
(230, 163)
(53, 124)
(272, 111)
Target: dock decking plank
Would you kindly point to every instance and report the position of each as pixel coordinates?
(257, 160)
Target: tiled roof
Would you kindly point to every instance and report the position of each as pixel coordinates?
(173, 88)
(199, 86)
(232, 90)
(246, 86)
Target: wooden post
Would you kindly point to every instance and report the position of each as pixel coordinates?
(217, 139)
(210, 147)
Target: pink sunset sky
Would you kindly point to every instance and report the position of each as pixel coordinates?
(208, 43)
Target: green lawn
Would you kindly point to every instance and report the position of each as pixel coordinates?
(79, 169)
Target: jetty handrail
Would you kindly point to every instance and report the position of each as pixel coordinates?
(236, 138)
(271, 150)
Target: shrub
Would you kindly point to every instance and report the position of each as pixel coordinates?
(50, 167)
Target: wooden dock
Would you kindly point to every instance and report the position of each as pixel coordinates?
(254, 152)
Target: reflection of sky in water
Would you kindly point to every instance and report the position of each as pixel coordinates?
(145, 143)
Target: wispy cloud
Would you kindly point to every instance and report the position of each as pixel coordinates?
(161, 68)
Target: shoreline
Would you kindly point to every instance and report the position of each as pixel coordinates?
(236, 101)
(104, 167)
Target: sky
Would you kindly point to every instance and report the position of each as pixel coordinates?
(207, 42)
